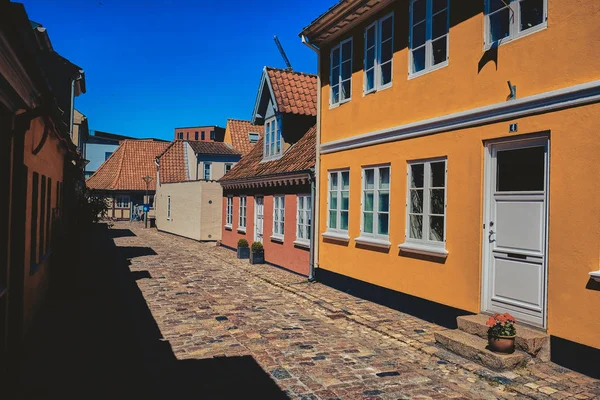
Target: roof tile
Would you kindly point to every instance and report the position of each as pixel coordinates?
(290, 86)
(239, 131)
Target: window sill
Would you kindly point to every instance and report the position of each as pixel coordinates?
(228, 227)
(383, 243)
(241, 230)
(343, 237)
(595, 275)
(423, 249)
(302, 243)
(278, 239)
(336, 105)
(378, 89)
(428, 70)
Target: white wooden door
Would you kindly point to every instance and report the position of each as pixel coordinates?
(259, 212)
(515, 259)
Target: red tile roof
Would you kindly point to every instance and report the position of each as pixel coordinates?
(172, 163)
(126, 167)
(299, 157)
(295, 92)
(212, 148)
(239, 130)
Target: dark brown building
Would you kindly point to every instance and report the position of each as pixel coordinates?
(209, 133)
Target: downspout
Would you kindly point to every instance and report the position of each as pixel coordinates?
(72, 119)
(314, 186)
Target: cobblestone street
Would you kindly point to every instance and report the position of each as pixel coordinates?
(159, 316)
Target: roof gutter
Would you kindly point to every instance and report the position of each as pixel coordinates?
(315, 173)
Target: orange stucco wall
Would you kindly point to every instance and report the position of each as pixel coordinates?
(286, 254)
(543, 61)
(49, 162)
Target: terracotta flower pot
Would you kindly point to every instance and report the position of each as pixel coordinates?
(502, 344)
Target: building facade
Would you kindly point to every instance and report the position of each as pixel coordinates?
(188, 196)
(267, 197)
(451, 155)
(208, 133)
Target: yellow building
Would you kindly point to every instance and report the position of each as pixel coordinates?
(458, 161)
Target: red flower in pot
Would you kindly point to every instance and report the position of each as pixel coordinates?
(502, 332)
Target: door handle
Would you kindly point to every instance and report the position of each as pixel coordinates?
(490, 236)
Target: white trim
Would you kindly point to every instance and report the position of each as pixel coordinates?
(204, 165)
(277, 238)
(228, 216)
(276, 220)
(377, 32)
(336, 236)
(273, 132)
(571, 96)
(595, 275)
(338, 192)
(339, 84)
(375, 212)
(428, 45)
(302, 243)
(241, 230)
(514, 32)
(307, 211)
(373, 241)
(423, 249)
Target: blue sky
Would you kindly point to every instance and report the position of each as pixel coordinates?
(155, 65)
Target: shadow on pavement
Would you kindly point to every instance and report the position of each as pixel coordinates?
(98, 340)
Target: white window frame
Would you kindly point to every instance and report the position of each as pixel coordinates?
(273, 138)
(253, 137)
(302, 201)
(229, 212)
(375, 238)
(424, 245)
(242, 217)
(338, 191)
(376, 26)
(209, 165)
(515, 24)
(119, 201)
(340, 81)
(168, 208)
(278, 211)
(230, 165)
(429, 67)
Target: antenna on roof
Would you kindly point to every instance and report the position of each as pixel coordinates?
(282, 52)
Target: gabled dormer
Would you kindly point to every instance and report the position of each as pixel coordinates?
(286, 106)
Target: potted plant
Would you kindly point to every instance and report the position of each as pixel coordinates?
(257, 256)
(243, 250)
(502, 332)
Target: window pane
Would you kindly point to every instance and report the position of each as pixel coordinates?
(345, 90)
(386, 73)
(370, 58)
(370, 76)
(370, 42)
(335, 94)
(521, 169)
(437, 201)
(416, 172)
(416, 226)
(347, 50)
(387, 28)
(301, 231)
(333, 205)
(368, 201)
(369, 179)
(439, 5)
(334, 180)
(384, 202)
(344, 220)
(418, 35)
(436, 229)
(368, 222)
(346, 70)
(416, 201)
(419, 10)
(532, 13)
(333, 219)
(335, 76)
(382, 224)
(439, 25)
(345, 201)
(335, 57)
(500, 25)
(307, 203)
(438, 174)
(346, 180)
(384, 178)
(386, 51)
(418, 59)
(497, 4)
(439, 49)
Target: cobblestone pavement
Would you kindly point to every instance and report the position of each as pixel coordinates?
(313, 341)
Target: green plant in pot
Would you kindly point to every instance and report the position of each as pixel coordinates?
(502, 332)
(243, 250)
(257, 255)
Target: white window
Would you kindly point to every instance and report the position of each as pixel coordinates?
(242, 216)
(340, 77)
(338, 201)
(278, 215)
(509, 19)
(168, 207)
(426, 221)
(376, 201)
(228, 167)
(229, 212)
(304, 218)
(122, 201)
(273, 144)
(207, 171)
(429, 27)
(379, 50)
(253, 137)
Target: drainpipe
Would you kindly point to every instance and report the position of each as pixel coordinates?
(315, 191)
(71, 122)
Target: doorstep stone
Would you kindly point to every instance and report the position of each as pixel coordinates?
(474, 348)
(533, 342)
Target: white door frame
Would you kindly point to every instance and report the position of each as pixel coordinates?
(256, 217)
(512, 142)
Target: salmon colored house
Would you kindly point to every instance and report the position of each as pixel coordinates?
(267, 196)
(458, 159)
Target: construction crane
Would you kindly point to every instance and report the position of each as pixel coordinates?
(282, 52)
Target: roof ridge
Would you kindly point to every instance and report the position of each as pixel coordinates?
(118, 174)
(290, 71)
(103, 165)
(168, 147)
